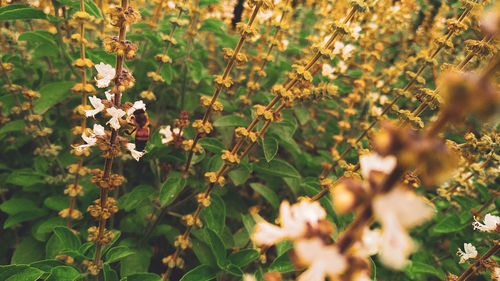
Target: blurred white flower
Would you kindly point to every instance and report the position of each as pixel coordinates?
(491, 223)
(356, 31)
(496, 274)
(321, 260)
(169, 134)
(373, 162)
(105, 73)
(285, 43)
(370, 242)
(136, 154)
(468, 253)
(342, 66)
(328, 71)
(97, 104)
(248, 277)
(398, 211)
(295, 223)
(98, 130)
(116, 114)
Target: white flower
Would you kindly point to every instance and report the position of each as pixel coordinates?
(355, 31)
(116, 114)
(90, 140)
(337, 47)
(248, 277)
(398, 211)
(496, 274)
(328, 71)
(347, 51)
(265, 15)
(375, 162)
(370, 242)
(136, 154)
(98, 130)
(321, 260)
(109, 95)
(105, 74)
(285, 43)
(342, 66)
(468, 253)
(295, 222)
(137, 105)
(490, 223)
(169, 134)
(97, 104)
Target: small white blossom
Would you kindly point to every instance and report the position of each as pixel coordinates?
(248, 277)
(98, 130)
(496, 274)
(136, 154)
(322, 260)
(116, 114)
(89, 139)
(370, 242)
(468, 253)
(295, 222)
(97, 104)
(109, 95)
(328, 71)
(356, 31)
(375, 162)
(105, 74)
(137, 105)
(491, 223)
(169, 134)
(285, 43)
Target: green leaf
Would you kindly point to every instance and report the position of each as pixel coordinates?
(450, 223)
(239, 176)
(282, 264)
(139, 262)
(243, 257)
(19, 273)
(214, 215)
(23, 217)
(195, 70)
(142, 276)
(200, 273)
(57, 202)
(167, 73)
(204, 3)
(234, 270)
(67, 238)
(12, 126)
(270, 147)
(134, 198)
(212, 144)
(267, 193)
(51, 94)
(21, 12)
(203, 253)
(171, 188)
(218, 248)
(46, 265)
(212, 25)
(118, 253)
(38, 36)
(277, 168)
(29, 250)
(92, 9)
(419, 267)
(24, 177)
(63, 273)
(108, 273)
(18, 205)
(230, 121)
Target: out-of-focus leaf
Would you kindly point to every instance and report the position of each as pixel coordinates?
(171, 188)
(267, 193)
(277, 168)
(200, 273)
(52, 93)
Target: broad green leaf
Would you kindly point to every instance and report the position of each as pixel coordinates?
(23, 217)
(212, 144)
(270, 147)
(12, 126)
(243, 257)
(415, 267)
(142, 276)
(118, 253)
(137, 263)
(230, 121)
(67, 238)
(51, 94)
(57, 202)
(450, 223)
(39, 36)
(195, 70)
(24, 177)
(200, 273)
(212, 25)
(134, 198)
(21, 12)
(282, 264)
(267, 193)
(234, 270)
(17, 205)
(218, 248)
(63, 273)
(214, 215)
(171, 188)
(19, 273)
(29, 250)
(92, 9)
(277, 168)
(167, 73)
(239, 176)
(203, 253)
(109, 273)
(46, 265)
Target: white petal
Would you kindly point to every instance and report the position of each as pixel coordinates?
(91, 140)
(106, 73)
(396, 244)
(97, 104)
(98, 130)
(109, 95)
(137, 105)
(375, 162)
(490, 223)
(168, 135)
(136, 154)
(268, 234)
